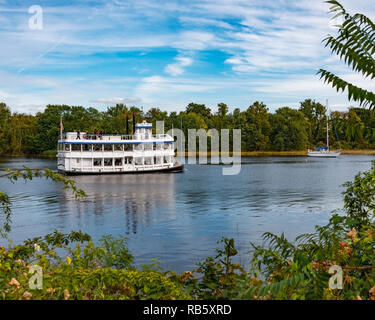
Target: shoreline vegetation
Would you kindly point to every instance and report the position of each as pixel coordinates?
(296, 153)
(284, 131)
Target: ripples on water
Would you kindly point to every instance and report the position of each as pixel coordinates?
(179, 217)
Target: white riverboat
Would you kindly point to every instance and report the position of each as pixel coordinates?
(83, 153)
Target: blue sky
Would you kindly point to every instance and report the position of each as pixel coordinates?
(168, 53)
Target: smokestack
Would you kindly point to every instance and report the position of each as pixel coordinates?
(133, 122)
(127, 123)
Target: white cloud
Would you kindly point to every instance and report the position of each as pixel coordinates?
(258, 39)
(193, 40)
(204, 22)
(115, 100)
(165, 90)
(4, 95)
(177, 68)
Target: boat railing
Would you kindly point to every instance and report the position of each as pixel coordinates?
(113, 137)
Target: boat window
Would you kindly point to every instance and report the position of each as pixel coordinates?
(86, 147)
(166, 146)
(76, 147)
(159, 146)
(97, 147)
(118, 147)
(118, 161)
(66, 146)
(148, 146)
(138, 147)
(148, 161)
(128, 147)
(108, 162)
(108, 147)
(139, 161)
(97, 162)
(166, 159)
(128, 160)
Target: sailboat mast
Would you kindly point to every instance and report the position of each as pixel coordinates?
(327, 128)
(181, 137)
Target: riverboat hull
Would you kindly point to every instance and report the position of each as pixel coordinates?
(177, 167)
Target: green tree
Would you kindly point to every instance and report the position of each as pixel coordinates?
(200, 109)
(258, 127)
(368, 120)
(354, 128)
(48, 126)
(114, 119)
(315, 113)
(5, 128)
(289, 130)
(155, 114)
(22, 130)
(222, 109)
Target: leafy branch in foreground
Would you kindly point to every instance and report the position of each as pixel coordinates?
(355, 44)
(28, 174)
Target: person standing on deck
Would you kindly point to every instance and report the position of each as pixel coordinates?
(78, 134)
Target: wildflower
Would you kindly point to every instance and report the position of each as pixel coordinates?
(345, 248)
(372, 293)
(353, 235)
(14, 282)
(66, 294)
(27, 295)
(316, 265)
(20, 262)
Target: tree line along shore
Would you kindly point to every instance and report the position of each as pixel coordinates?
(244, 154)
(286, 131)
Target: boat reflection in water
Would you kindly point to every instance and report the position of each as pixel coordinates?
(128, 200)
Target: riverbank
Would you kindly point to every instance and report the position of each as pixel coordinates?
(296, 153)
(301, 153)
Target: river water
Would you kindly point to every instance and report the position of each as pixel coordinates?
(178, 217)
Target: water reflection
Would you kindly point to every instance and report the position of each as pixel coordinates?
(136, 197)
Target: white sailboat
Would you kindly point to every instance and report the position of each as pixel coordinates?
(323, 152)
